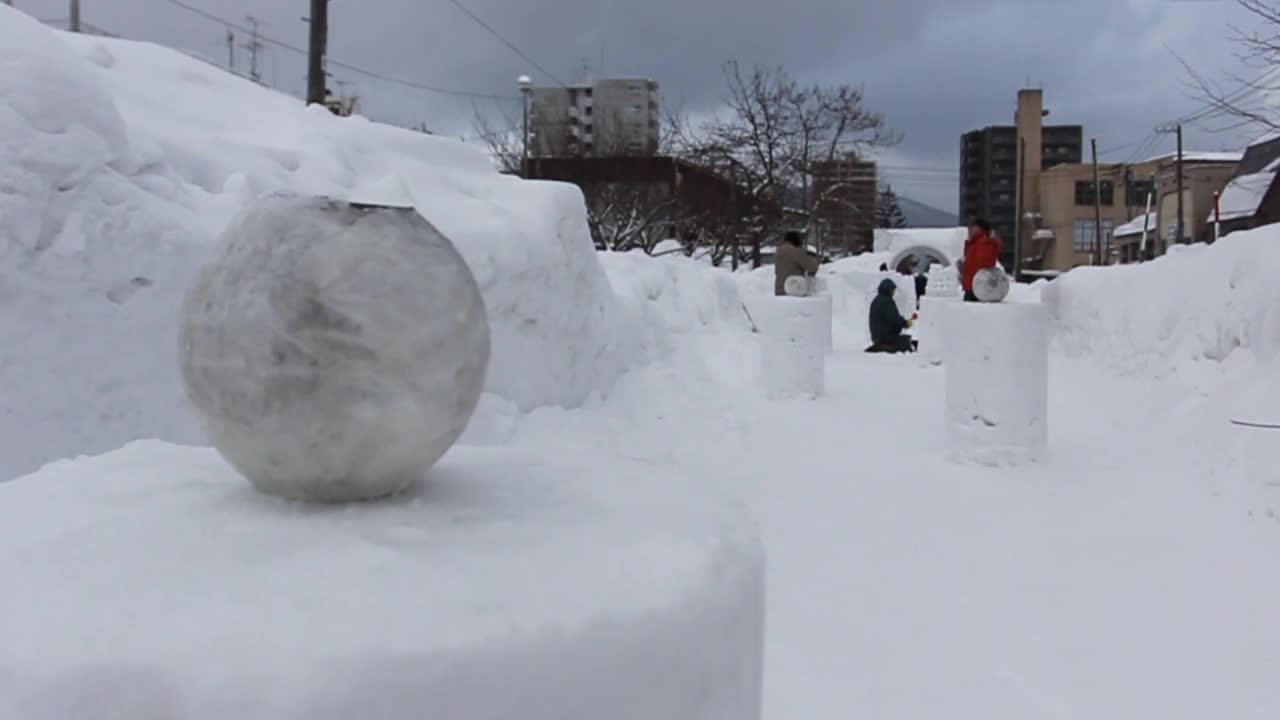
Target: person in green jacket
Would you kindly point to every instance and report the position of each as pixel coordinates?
(887, 324)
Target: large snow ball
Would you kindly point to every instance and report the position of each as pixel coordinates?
(333, 351)
(513, 585)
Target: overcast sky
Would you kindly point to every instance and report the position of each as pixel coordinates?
(935, 68)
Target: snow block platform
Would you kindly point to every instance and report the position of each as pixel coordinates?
(928, 329)
(997, 382)
(152, 583)
(806, 319)
(795, 337)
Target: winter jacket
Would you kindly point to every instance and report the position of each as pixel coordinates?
(886, 323)
(791, 260)
(980, 253)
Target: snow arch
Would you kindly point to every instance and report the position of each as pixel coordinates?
(926, 250)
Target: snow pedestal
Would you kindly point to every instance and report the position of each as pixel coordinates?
(152, 583)
(794, 337)
(787, 316)
(928, 328)
(997, 381)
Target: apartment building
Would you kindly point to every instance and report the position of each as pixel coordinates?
(989, 167)
(846, 195)
(603, 118)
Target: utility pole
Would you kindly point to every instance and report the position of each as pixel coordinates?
(318, 41)
(1177, 130)
(75, 16)
(253, 46)
(1181, 234)
(231, 50)
(1019, 229)
(1097, 204)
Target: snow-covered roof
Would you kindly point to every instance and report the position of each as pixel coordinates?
(1243, 195)
(1136, 225)
(1222, 157)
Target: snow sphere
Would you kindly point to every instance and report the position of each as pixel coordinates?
(796, 286)
(333, 351)
(991, 285)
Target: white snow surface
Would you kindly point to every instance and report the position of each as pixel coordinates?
(1129, 575)
(121, 161)
(1136, 225)
(1205, 156)
(511, 584)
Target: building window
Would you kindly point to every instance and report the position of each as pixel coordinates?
(1138, 190)
(1085, 231)
(1085, 194)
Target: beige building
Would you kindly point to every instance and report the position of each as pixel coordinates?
(1067, 233)
(1203, 175)
(1055, 224)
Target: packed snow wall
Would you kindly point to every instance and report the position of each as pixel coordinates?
(1199, 303)
(121, 161)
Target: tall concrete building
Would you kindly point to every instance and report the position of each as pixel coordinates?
(603, 118)
(846, 195)
(991, 183)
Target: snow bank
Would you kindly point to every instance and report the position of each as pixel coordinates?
(1200, 303)
(120, 161)
(511, 585)
(996, 357)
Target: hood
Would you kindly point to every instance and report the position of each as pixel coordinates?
(887, 286)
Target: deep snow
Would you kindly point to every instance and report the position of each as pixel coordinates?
(1129, 574)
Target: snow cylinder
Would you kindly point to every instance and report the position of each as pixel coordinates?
(794, 337)
(514, 584)
(333, 351)
(928, 328)
(808, 316)
(997, 382)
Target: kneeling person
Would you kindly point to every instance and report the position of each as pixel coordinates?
(887, 324)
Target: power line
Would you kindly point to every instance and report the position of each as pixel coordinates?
(479, 21)
(335, 63)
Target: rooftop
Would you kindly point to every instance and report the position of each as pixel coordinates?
(1243, 195)
(1195, 156)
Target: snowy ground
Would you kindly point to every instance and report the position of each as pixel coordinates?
(1131, 575)
(1126, 578)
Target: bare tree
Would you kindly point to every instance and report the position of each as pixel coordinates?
(503, 142)
(1243, 100)
(774, 132)
(888, 210)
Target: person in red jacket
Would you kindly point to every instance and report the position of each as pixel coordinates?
(981, 251)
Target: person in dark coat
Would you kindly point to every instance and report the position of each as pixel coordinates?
(887, 324)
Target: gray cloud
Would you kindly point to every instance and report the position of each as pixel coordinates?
(935, 67)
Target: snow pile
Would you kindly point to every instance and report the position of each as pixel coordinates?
(1244, 193)
(514, 584)
(1201, 303)
(120, 161)
(678, 294)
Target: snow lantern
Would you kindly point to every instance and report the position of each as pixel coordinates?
(991, 285)
(334, 351)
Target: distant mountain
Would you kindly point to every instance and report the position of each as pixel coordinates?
(925, 216)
